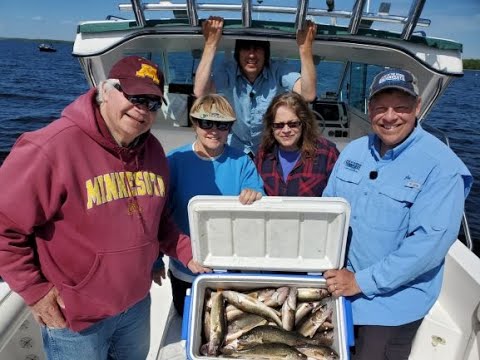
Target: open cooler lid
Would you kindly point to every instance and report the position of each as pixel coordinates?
(292, 234)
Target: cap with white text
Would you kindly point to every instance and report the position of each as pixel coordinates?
(394, 79)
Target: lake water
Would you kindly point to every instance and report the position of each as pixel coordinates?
(36, 86)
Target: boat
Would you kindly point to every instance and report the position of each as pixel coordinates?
(46, 47)
(350, 48)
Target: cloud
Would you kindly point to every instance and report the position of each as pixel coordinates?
(37, 18)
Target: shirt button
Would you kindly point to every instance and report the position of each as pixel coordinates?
(365, 193)
(355, 217)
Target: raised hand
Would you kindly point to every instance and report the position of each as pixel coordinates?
(306, 36)
(212, 30)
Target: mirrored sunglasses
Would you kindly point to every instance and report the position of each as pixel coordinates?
(152, 104)
(208, 124)
(292, 124)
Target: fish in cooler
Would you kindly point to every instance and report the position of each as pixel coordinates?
(310, 326)
(265, 334)
(251, 305)
(217, 325)
(243, 324)
(312, 294)
(288, 309)
(318, 352)
(240, 324)
(272, 351)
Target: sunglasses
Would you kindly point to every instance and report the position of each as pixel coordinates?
(208, 124)
(292, 124)
(152, 104)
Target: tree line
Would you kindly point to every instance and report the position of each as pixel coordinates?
(471, 64)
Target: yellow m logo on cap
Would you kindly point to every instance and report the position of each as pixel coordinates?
(148, 71)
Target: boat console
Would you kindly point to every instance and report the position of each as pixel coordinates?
(332, 117)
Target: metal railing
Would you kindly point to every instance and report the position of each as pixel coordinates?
(301, 12)
(465, 226)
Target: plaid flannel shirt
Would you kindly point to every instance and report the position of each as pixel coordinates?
(308, 177)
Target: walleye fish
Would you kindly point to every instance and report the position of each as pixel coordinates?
(310, 326)
(303, 309)
(265, 334)
(324, 337)
(288, 309)
(243, 324)
(311, 294)
(233, 313)
(207, 305)
(327, 325)
(217, 324)
(206, 325)
(272, 351)
(208, 299)
(277, 298)
(251, 305)
(318, 352)
(261, 293)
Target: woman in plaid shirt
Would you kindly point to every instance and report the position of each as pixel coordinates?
(293, 159)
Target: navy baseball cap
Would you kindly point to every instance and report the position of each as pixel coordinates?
(394, 79)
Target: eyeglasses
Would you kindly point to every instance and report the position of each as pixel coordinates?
(152, 104)
(292, 124)
(208, 124)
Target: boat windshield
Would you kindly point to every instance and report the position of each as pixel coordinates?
(346, 82)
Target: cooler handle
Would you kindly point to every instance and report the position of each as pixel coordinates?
(186, 315)
(349, 322)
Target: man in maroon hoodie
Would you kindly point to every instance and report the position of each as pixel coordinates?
(84, 218)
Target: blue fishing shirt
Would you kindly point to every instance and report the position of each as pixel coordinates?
(251, 101)
(406, 213)
(191, 175)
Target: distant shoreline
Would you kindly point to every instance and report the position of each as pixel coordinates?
(471, 64)
(468, 64)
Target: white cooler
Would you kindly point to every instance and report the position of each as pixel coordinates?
(276, 234)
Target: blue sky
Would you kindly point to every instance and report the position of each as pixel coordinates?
(57, 19)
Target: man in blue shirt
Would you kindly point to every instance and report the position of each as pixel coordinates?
(407, 192)
(252, 80)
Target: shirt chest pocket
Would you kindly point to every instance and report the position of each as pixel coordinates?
(389, 207)
(347, 182)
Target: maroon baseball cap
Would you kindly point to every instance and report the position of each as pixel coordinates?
(138, 76)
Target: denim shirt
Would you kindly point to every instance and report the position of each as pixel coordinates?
(250, 101)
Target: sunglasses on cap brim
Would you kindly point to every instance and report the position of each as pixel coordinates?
(208, 124)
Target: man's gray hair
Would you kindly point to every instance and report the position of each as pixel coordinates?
(108, 84)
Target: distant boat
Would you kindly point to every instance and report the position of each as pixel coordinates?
(46, 47)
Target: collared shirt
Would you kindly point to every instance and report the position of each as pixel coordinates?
(251, 101)
(308, 177)
(404, 219)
